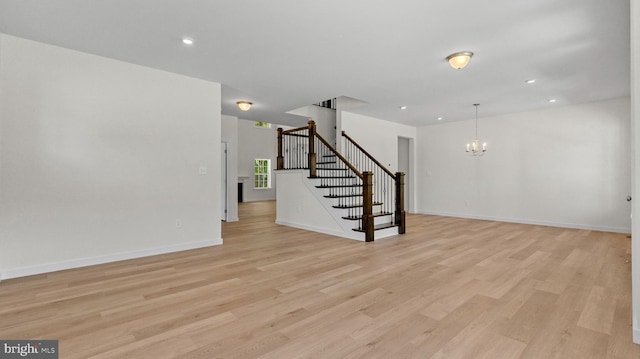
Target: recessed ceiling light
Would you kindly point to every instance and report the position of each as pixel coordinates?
(439, 118)
(532, 81)
(552, 100)
(187, 41)
(403, 107)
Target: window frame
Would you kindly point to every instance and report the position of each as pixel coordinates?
(262, 173)
(261, 124)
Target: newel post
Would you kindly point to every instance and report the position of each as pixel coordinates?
(280, 158)
(312, 150)
(400, 212)
(367, 206)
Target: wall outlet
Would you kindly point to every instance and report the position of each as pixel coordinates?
(203, 170)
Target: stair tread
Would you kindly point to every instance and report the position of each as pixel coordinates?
(377, 214)
(333, 177)
(343, 195)
(340, 186)
(356, 205)
(378, 227)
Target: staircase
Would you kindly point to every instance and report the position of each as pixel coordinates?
(354, 188)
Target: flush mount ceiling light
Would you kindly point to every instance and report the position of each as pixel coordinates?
(187, 41)
(459, 60)
(244, 105)
(403, 107)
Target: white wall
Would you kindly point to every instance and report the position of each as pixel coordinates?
(230, 137)
(253, 143)
(378, 137)
(324, 118)
(100, 159)
(635, 165)
(565, 166)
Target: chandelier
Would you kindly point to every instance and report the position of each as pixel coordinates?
(474, 147)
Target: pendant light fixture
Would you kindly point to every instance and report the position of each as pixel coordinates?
(474, 147)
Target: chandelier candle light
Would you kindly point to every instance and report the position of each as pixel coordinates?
(474, 147)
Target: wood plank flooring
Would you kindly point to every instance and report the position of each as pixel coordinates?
(449, 288)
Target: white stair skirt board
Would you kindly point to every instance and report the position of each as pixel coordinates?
(301, 205)
(358, 236)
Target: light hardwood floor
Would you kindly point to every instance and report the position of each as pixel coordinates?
(449, 288)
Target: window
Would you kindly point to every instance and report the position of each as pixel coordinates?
(263, 124)
(262, 173)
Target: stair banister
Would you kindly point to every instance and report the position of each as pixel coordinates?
(398, 178)
(367, 154)
(400, 212)
(367, 209)
(341, 157)
(280, 158)
(312, 151)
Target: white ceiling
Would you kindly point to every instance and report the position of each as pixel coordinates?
(285, 54)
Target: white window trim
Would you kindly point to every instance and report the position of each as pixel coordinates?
(268, 174)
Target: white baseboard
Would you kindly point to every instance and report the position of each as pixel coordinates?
(355, 235)
(84, 262)
(530, 221)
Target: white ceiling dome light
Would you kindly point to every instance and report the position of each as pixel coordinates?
(459, 60)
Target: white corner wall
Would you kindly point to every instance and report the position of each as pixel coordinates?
(635, 164)
(256, 143)
(565, 166)
(100, 160)
(230, 137)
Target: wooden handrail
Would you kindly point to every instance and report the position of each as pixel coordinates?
(335, 152)
(295, 129)
(368, 155)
